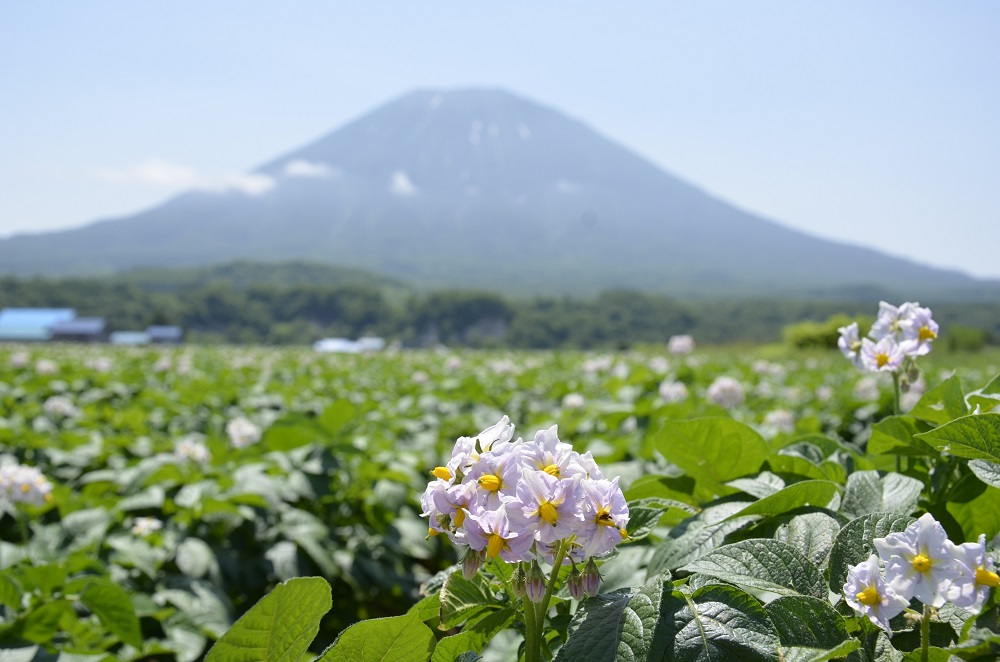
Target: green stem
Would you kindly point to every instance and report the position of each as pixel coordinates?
(895, 411)
(925, 634)
(544, 604)
(532, 645)
(22, 526)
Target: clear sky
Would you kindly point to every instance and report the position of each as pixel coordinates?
(876, 123)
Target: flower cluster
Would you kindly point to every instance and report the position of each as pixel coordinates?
(898, 334)
(521, 501)
(920, 563)
(242, 432)
(20, 483)
(683, 344)
(726, 392)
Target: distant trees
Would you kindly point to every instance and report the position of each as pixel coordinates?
(284, 312)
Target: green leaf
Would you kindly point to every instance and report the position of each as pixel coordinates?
(988, 472)
(615, 626)
(712, 450)
(337, 415)
(807, 493)
(807, 621)
(980, 515)
(764, 564)
(18, 654)
(896, 435)
(461, 599)
(195, 558)
(854, 543)
(943, 403)
(645, 514)
(714, 623)
(868, 493)
(988, 397)
(975, 437)
(697, 536)
(396, 639)
(810, 533)
(762, 485)
(10, 593)
(40, 625)
(280, 627)
(806, 654)
(111, 604)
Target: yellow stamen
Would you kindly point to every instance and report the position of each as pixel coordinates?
(856, 346)
(552, 470)
(926, 333)
(921, 563)
(431, 532)
(459, 516)
(986, 578)
(869, 596)
(25, 488)
(444, 473)
(548, 513)
(881, 359)
(623, 533)
(604, 517)
(494, 545)
(490, 482)
(48, 497)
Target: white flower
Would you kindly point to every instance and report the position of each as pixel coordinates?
(61, 406)
(849, 343)
(888, 323)
(726, 392)
(866, 389)
(883, 356)
(779, 420)
(143, 526)
(824, 392)
(918, 330)
(19, 360)
(20, 483)
(920, 562)
(46, 367)
(659, 365)
(189, 449)
(978, 575)
(242, 432)
(572, 401)
(682, 344)
(871, 596)
(672, 391)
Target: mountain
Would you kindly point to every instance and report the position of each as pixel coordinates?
(481, 188)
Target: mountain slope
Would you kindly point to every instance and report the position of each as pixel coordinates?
(479, 188)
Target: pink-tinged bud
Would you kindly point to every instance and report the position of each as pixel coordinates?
(591, 578)
(518, 583)
(535, 586)
(471, 563)
(575, 584)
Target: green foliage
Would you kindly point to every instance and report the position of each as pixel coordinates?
(821, 335)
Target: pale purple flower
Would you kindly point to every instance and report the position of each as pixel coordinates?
(242, 432)
(918, 330)
(887, 325)
(849, 343)
(871, 596)
(490, 530)
(672, 391)
(919, 561)
(978, 576)
(605, 518)
(681, 344)
(726, 392)
(545, 506)
(882, 356)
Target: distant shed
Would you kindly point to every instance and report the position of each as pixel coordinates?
(31, 324)
(129, 338)
(165, 335)
(81, 329)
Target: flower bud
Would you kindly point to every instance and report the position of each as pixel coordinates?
(535, 586)
(518, 582)
(575, 584)
(471, 563)
(591, 578)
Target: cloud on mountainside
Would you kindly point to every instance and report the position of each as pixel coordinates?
(303, 168)
(163, 174)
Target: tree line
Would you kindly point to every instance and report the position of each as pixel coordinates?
(283, 314)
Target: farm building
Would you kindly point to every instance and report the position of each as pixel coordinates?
(165, 335)
(81, 329)
(31, 324)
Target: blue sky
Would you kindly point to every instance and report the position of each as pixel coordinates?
(869, 122)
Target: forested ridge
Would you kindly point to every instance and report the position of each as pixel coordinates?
(290, 304)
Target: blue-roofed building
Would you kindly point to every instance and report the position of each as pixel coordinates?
(31, 324)
(165, 335)
(129, 338)
(81, 329)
